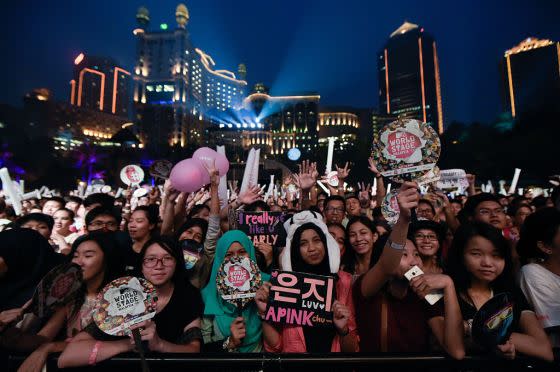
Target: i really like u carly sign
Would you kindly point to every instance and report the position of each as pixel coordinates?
(301, 299)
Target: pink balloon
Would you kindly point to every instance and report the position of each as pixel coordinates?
(188, 175)
(207, 156)
(222, 164)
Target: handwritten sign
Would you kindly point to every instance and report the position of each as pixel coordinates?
(301, 299)
(263, 227)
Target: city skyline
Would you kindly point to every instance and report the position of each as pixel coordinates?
(311, 52)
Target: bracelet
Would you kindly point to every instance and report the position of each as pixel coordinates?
(345, 333)
(93, 356)
(396, 246)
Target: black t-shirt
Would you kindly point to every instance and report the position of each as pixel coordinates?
(468, 310)
(184, 306)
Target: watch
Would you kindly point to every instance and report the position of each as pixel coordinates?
(226, 343)
(396, 246)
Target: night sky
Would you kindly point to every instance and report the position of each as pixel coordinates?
(292, 46)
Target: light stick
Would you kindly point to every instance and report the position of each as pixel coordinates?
(514, 181)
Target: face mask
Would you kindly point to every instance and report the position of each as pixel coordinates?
(191, 252)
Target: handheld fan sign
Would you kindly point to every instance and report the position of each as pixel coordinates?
(406, 150)
(238, 280)
(492, 323)
(132, 175)
(123, 303)
(390, 208)
(161, 169)
(59, 287)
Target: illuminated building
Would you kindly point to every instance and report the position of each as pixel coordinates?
(340, 124)
(531, 72)
(409, 78)
(291, 120)
(176, 84)
(100, 84)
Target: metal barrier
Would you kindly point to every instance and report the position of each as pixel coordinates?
(301, 362)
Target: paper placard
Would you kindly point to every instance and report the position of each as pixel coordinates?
(301, 299)
(452, 179)
(123, 303)
(264, 227)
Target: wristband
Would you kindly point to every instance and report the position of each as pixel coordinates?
(93, 356)
(396, 246)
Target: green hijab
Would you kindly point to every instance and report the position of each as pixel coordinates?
(223, 312)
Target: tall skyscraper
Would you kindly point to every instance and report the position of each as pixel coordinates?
(531, 72)
(176, 84)
(409, 80)
(100, 84)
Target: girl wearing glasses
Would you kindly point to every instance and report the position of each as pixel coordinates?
(174, 329)
(427, 237)
(480, 264)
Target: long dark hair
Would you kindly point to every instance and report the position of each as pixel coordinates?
(456, 263)
(168, 244)
(113, 262)
(297, 261)
(349, 258)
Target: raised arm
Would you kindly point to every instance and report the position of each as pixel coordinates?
(381, 191)
(390, 259)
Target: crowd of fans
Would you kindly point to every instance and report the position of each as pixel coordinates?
(470, 248)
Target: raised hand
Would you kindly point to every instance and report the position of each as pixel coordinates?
(364, 194)
(261, 298)
(407, 198)
(238, 331)
(251, 195)
(373, 167)
(342, 173)
(307, 175)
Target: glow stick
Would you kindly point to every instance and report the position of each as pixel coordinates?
(10, 191)
(222, 187)
(330, 155)
(388, 188)
(254, 175)
(374, 188)
(247, 172)
(324, 188)
(270, 189)
(514, 181)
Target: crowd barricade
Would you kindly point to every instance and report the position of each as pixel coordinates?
(302, 362)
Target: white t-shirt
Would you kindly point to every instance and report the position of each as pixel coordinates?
(542, 289)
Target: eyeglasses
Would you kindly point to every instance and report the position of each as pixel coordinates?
(335, 210)
(488, 212)
(101, 224)
(151, 262)
(425, 237)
